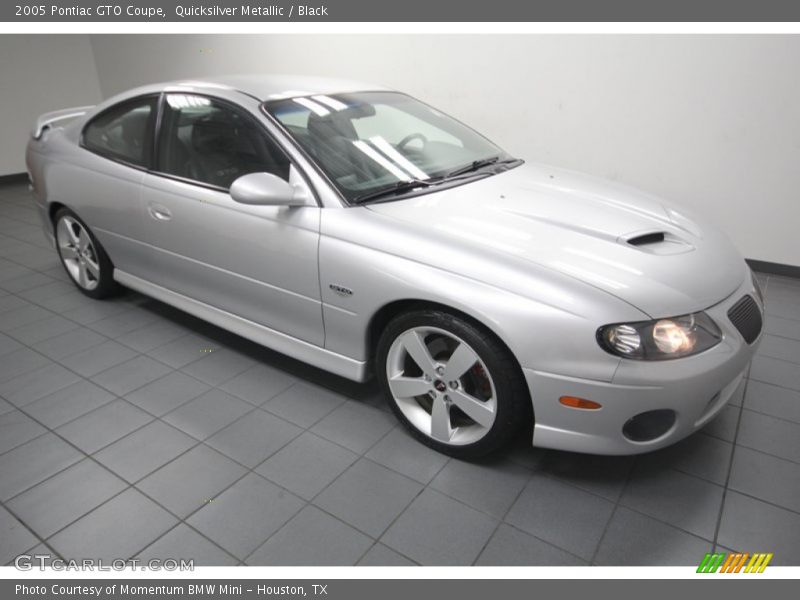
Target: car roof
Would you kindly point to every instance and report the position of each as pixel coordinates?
(262, 87)
(267, 87)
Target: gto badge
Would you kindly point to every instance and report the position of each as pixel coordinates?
(341, 290)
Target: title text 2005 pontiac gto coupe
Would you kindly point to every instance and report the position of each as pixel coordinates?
(362, 231)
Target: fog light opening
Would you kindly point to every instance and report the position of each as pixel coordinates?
(650, 425)
(581, 403)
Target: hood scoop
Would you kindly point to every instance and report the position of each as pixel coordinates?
(656, 242)
(646, 239)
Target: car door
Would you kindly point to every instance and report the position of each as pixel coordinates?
(105, 190)
(256, 262)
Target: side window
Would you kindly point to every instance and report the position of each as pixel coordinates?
(123, 132)
(209, 142)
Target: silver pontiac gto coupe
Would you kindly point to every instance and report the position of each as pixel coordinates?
(362, 231)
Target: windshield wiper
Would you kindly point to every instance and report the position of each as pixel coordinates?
(476, 165)
(399, 188)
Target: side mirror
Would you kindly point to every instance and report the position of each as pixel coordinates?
(264, 189)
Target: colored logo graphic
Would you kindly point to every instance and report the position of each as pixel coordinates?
(735, 562)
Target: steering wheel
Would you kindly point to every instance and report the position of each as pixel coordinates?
(410, 138)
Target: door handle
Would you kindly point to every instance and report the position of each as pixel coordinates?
(159, 213)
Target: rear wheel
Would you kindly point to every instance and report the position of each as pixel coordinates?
(83, 257)
(452, 383)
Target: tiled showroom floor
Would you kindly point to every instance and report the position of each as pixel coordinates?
(129, 429)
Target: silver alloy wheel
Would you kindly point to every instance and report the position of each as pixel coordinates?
(441, 385)
(78, 253)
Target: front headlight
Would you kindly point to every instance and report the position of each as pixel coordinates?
(661, 339)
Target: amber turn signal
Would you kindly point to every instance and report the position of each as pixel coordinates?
(574, 402)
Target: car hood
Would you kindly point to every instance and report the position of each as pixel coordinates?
(630, 244)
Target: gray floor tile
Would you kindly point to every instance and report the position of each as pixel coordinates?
(19, 362)
(207, 414)
(773, 400)
(124, 322)
(184, 350)
(681, 500)
(767, 478)
(145, 450)
(700, 455)
(11, 271)
(191, 480)
(512, 547)
(383, 556)
(128, 376)
(65, 303)
(151, 336)
(355, 426)
(68, 403)
(368, 496)
(635, 539)
(9, 302)
(436, 530)
(723, 426)
(183, 542)
(8, 344)
(43, 329)
(768, 434)
(780, 347)
(312, 538)
(65, 497)
(23, 315)
(560, 514)
(750, 525)
(17, 428)
(776, 372)
(254, 437)
(491, 486)
(246, 514)
(119, 528)
(307, 465)
(15, 538)
(26, 388)
(33, 462)
(98, 358)
(73, 342)
(304, 404)
(48, 290)
(783, 308)
(404, 454)
(166, 394)
(258, 384)
(104, 425)
(218, 366)
(25, 282)
(782, 327)
(91, 312)
(5, 407)
(601, 475)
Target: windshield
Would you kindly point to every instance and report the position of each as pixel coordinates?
(367, 142)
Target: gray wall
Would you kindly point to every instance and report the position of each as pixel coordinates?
(40, 73)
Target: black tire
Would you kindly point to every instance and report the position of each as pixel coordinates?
(513, 405)
(106, 286)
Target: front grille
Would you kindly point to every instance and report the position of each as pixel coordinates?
(746, 317)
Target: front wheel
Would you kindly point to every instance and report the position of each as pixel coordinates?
(452, 383)
(83, 257)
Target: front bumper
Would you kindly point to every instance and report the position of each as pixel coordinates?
(696, 388)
